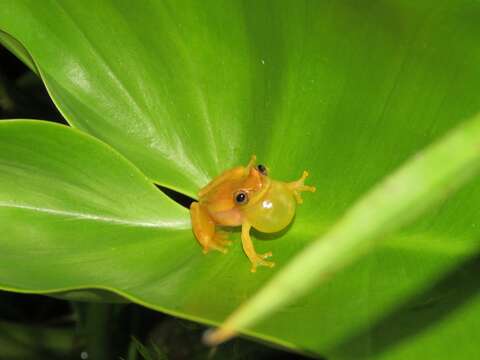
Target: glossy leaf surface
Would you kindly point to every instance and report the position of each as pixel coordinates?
(69, 203)
(346, 89)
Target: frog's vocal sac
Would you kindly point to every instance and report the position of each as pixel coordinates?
(245, 196)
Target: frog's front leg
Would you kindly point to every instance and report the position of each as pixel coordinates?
(251, 163)
(204, 230)
(255, 259)
(298, 186)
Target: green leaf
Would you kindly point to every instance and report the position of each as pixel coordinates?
(346, 89)
(76, 214)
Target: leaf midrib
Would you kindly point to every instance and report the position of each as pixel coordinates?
(177, 224)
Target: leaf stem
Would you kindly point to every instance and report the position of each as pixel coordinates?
(97, 326)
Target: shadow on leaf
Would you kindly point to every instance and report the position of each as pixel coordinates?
(417, 314)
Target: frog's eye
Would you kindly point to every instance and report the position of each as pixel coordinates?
(263, 169)
(241, 197)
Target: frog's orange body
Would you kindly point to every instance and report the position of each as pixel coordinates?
(245, 196)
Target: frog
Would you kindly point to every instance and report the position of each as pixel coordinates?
(245, 196)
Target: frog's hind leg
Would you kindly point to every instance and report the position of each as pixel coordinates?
(298, 186)
(204, 230)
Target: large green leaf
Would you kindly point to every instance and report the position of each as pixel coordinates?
(74, 213)
(346, 89)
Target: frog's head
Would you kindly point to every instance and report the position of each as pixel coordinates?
(252, 187)
(229, 199)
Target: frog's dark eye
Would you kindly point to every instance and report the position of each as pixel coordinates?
(263, 169)
(241, 197)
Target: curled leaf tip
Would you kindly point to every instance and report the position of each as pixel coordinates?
(214, 337)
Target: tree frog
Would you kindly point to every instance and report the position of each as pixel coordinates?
(245, 196)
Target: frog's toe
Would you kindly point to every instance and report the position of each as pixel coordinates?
(259, 260)
(222, 249)
(218, 243)
(221, 239)
(307, 188)
(266, 255)
(217, 247)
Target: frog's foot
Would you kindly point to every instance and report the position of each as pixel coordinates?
(219, 242)
(259, 260)
(298, 186)
(255, 259)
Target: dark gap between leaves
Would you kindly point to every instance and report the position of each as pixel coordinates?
(179, 198)
(22, 92)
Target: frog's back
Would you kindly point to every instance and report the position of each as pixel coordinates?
(222, 183)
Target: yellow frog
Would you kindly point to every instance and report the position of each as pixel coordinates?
(245, 196)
